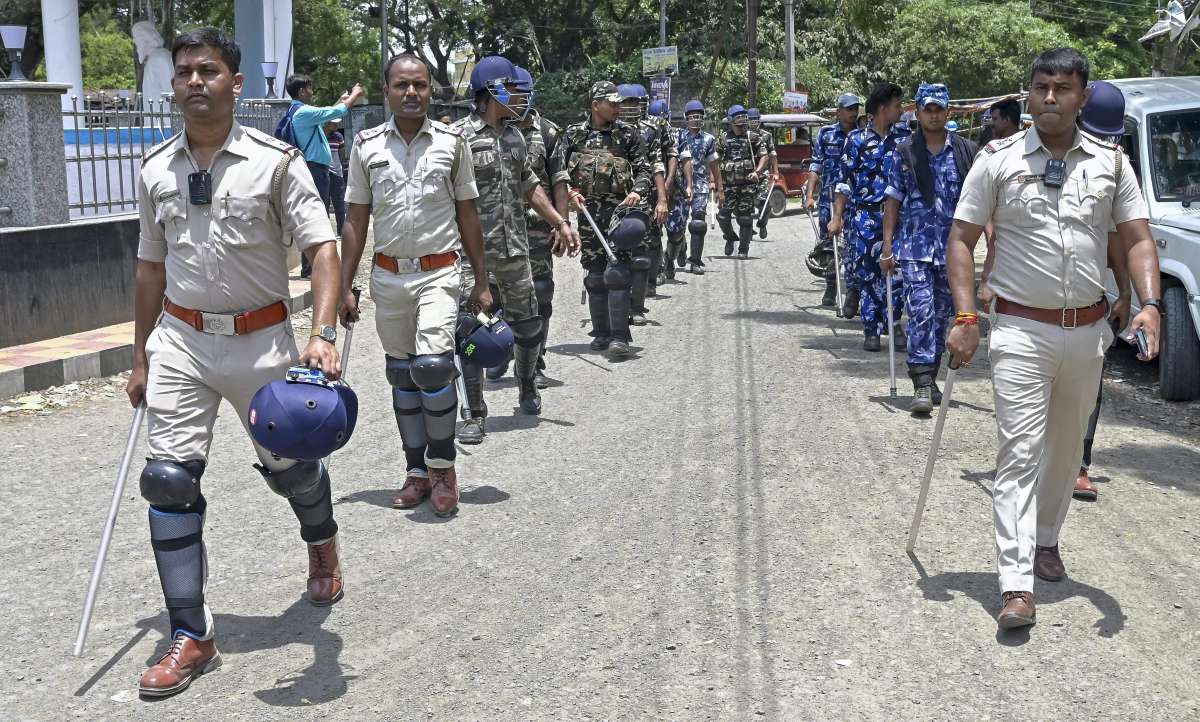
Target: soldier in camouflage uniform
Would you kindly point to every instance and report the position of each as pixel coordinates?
(506, 181)
(657, 147)
(541, 136)
(741, 161)
(603, 157)
(767, 183)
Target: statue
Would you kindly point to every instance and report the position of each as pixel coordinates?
(157, 65)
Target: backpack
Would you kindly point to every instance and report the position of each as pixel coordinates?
(285, 129)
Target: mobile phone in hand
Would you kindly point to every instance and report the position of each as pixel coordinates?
(1143, 346)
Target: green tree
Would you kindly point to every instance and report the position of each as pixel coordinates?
(107, 50)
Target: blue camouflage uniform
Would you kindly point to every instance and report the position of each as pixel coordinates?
(863, 180)
(827, 162)
(702, 147)
(920, 250)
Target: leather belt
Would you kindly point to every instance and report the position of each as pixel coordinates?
(229, 324)
(414, 265)
(1062, 317)
(872, 207)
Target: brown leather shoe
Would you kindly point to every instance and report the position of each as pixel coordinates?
(444, 498)
(324, 574)
(186, 660)
(1083, 487)
(1048, 565)
(1017, 611)
(415, 490)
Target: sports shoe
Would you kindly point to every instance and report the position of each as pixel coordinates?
(600, 343)
(696, 270)
(618, 348)
(471, 431)
(936, 395)
(922, 402)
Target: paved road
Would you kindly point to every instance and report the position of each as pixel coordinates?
(713, 530)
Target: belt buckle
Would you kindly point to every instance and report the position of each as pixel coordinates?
(223, 324)
(408, 265)
(1074, 317)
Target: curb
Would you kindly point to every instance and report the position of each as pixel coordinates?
(96, 364)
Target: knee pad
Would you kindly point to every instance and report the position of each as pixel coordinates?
(297, 480)
(172, 485)
(745, 221)
(640, 263)
(697, 216)
(697, 227)
(617, 277)
(594, 282)
(397, 372)
(543, 288)
(432, 371)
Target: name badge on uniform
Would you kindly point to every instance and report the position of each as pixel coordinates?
(378, 164)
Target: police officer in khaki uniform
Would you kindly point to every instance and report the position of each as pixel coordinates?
(219, 205)
(506, 181)
(415, 177)
(1050, 193)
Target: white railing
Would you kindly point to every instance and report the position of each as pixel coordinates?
(106, 139)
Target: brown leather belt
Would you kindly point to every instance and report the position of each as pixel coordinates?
(229, 324)
(413, 265)
(1062, 317)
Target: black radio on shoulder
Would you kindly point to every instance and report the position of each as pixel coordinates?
(200, 188)
(1056, 173)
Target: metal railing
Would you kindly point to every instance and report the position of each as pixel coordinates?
(105, 141)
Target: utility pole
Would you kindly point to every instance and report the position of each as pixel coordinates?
(789, 28)
(752, 52)
(662, 22)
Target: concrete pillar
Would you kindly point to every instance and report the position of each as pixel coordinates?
(279, 41)
(248, 31)
(64, 64)
(33, 173)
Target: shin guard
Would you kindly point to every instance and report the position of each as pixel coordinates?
(178, 541)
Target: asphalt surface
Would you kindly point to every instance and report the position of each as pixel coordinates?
(713, 529)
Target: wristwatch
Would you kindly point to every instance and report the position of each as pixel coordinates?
(327, 333)
(1156, 302)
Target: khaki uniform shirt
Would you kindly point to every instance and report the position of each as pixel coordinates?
(229, 255)
(413, 187)
(504, 175)
(1051, 244)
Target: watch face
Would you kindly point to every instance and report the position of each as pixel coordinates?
(329, 333)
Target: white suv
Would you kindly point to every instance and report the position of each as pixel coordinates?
(1162, 139)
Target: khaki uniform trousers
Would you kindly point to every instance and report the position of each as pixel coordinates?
(190, 372)
(415, 313)
(1044, 379)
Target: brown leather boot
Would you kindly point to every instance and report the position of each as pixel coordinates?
(444, 498)
(1047, 564)
(324, 574)
(1017, 611)
(184, 661)
(415, 490)
(1083, 487)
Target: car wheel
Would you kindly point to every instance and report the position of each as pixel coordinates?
(777, 203)
(1179, 363)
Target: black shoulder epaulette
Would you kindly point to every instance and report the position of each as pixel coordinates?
(370, 133)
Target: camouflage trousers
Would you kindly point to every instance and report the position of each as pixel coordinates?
(765, 186)
(592, 255)
(541, 263)
(513, 293)
(866, 244)
(930, 309)
(739, 201)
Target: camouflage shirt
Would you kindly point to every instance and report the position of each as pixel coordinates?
(738, 156)
(605, 164)
(504, 176)
(763, 137)
(541, 137)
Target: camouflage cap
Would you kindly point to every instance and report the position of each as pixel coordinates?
(605, 90)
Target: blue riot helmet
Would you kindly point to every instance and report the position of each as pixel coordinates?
(753, 118)
(659, 109)
(628, 228)
(1104, 113)
(524, 87)
(952, 126)
(737, 116)
(643, 98)
(631, 105)
(303, 415)
(486, 341)
(498, 77)
(693, 114)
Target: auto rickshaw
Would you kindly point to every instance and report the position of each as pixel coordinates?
(793, 134)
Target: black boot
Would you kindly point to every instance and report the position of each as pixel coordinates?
(744, 242)
(829, 299)
(850, 304)
(529, 399)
